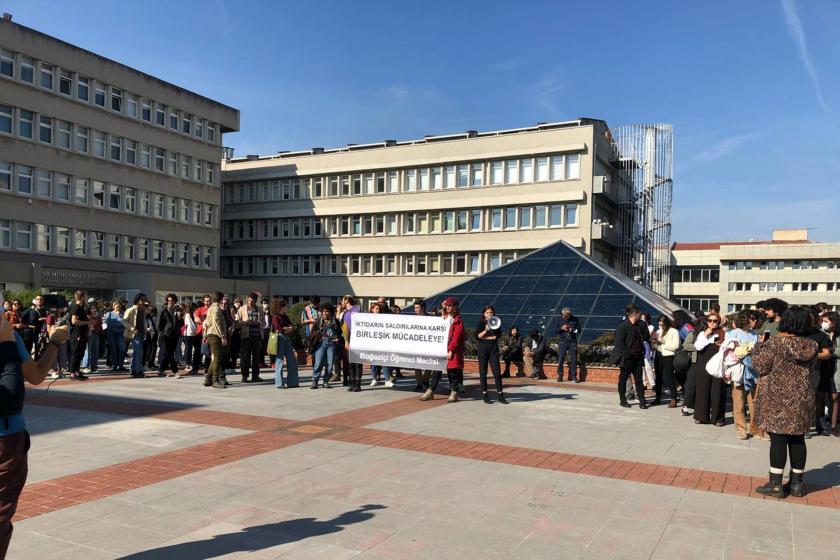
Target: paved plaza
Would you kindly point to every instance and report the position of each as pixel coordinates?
(163, 468)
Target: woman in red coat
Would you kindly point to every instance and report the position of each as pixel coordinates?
(455, 349)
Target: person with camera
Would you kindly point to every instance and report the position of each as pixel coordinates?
(511, 349)
(488, 332)
(79, 333)
(36, 324)
(567, 331)
(323, 338)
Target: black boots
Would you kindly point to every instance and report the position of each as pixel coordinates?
(796, 485)
(487, 399)
(774, 486)
(208, 380)
(502, 398)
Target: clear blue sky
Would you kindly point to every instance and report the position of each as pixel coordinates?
(751, 87)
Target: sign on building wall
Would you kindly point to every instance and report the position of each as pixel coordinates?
(408, 341)
(76, 279)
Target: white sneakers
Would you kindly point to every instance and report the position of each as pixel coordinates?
(374, 382)
(389, 383)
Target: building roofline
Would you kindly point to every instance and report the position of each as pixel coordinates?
(112, 61)
(470, 134)
(710, 246)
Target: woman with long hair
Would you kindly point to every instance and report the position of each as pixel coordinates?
(488, 354)
(710, 396)
(282, 325)
(324, 337)
(784, 404)
(667, 343)
(192, 340)
(455, 353)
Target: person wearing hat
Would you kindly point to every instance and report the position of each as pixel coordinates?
(455, 349)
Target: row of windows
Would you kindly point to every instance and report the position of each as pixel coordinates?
(696, 275)
(783, 286)
(733, 307)
(24, 236)
(371, 265)
(783, 265)
(95, 93)
(68, 136)
(30, 182)
(408, 223)
(462, 176)
(696, 304)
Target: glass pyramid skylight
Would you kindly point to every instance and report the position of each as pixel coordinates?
(531, 291)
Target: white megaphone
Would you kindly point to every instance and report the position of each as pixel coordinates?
(494, 322)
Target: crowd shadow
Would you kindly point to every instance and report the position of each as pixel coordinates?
(258, 537)
(827, 475)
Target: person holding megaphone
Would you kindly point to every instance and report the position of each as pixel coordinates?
(488, 332)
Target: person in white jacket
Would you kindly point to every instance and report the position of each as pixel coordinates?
(667, 343)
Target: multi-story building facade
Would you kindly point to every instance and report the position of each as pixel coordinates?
(408, 219)
(738, 274)
(109, 177)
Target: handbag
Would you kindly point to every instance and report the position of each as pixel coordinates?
(271, 348)
(682, 360)
(649, 375)
(714, 366)
(314, 340)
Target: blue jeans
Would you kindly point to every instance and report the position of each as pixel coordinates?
(91, 353)
(137, 354)
(116, 347)
(285, 352)
(324, 358)
(383, 371)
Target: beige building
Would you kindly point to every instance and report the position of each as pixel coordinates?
(109, 177)
(738, 274)
(411, 218)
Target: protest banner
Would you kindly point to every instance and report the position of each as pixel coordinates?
(406, 341)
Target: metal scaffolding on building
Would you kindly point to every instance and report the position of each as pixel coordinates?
(643, 157)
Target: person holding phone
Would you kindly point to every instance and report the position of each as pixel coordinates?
(710, 392)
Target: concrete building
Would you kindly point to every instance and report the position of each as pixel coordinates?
(411, 218)
(738, 274)
(109, 177)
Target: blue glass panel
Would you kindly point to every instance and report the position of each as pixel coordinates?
(462, 288)
(585, 285)
(551, 285)
(612, 306)
(520, 285)
(543, 253)
(602, 324)
(579, 304)
(545, 305)
(561, 266)
(561, 251)
(474, 303)
(612, 287)
(531, 266)
(470, 320)
(587, 267)
(489, 284)
(508, 304)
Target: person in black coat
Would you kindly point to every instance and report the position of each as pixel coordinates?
(169, 331)
(567, 331)
(628, 353)
(534, 355)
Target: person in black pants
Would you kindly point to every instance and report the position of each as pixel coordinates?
(710, 392)
(169, 330)
(568, 327)
(488, 354)
(79, 332)
(628, 354)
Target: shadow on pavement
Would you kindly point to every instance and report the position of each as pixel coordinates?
(258, 537)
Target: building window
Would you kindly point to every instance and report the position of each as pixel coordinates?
(47, 74)
(64, 134)
(173, 163)
(512, 172)
(539, 217)
(145, 249)
(497, 172)
(62, 240)
(525, 218)
(160, 114)
(116, 148)
(6, 119)
(43, 183)
(27, 69)
(114, 197)
(146, 156)
(43, 238)
(45, 129)
(411, 180)
(6, 234)
(526, 171)
(510, 218)
(542, 169)
(424, 179)
(130, 200)
(65, 83)
(24, 179)
(26, 121)
(5, 176)
(99, 194)
(146, 114)
(463, 176)
(82, 135)
(129, 248)
(571, 215)
(496, 218)
(23, 239)
(558, 169)
(186, 123)
(186, 167)
(475, 264)
(160, 159)
(83, 88)
(555, 215)
(116, 100)
(211, 132)
(99, 95)
(159, 204)
(62, 187)
(81, 191)
(145, 203)
(475, 220)
(173, 119)
(157, 251)
(131, 105)
(573, 166)
(131, 152)
(80, 244)
(449, 177)
(98, 143)
(7, 63)
(114, 247)
(477, 174)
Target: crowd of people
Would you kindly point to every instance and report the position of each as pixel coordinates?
(777, 365)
